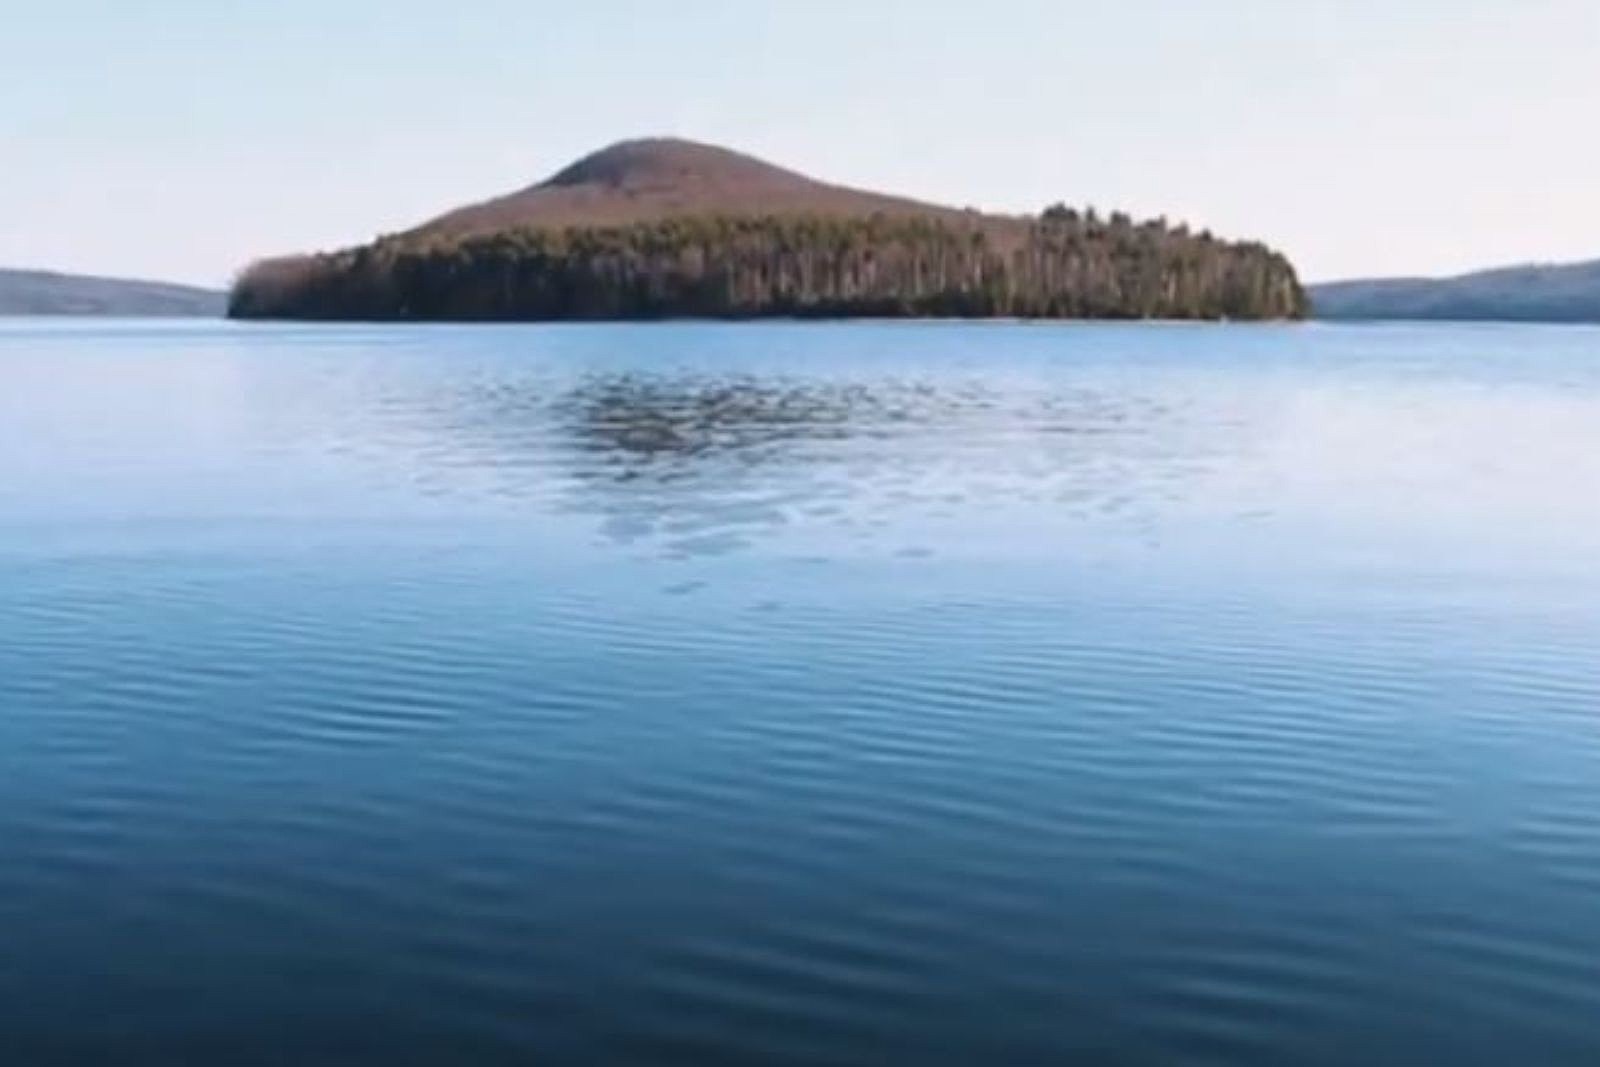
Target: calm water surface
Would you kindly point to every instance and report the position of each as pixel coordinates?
(924, 694)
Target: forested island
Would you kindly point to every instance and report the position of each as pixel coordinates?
(663, 229)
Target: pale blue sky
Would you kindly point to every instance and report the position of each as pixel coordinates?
(182, 138)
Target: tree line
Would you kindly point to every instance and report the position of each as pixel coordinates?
(1060, 264)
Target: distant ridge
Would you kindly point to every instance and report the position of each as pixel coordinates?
(1532, 293)
(665, 227)
(39, 292)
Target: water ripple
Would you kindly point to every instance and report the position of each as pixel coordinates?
(849, 696)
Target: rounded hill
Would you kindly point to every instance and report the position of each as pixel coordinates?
(662, 228)
(656, 161)
(666, 177)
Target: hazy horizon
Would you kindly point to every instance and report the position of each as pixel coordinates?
(175, 141)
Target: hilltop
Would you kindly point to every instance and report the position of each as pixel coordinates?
(661, 228)
(659, 178)
(38, 292)
(1534, 293)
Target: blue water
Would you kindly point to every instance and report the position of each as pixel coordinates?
(924, 694)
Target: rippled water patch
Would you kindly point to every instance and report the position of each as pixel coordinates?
(857, 695)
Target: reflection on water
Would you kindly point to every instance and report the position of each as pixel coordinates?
(705, 464)
(642, 419)
(858, 695)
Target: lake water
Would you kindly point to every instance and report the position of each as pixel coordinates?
(812, 694)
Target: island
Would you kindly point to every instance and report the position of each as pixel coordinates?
(665, 228)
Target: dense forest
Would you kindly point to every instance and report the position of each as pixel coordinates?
(1062, 264)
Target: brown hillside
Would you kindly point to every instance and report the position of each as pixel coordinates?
(656, 178)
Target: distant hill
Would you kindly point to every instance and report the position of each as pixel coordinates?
(36, 292)
(663, 228)
(1544, 293)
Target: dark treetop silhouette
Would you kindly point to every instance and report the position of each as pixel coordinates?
(665, 228)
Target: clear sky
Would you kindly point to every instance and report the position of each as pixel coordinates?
(182, 138)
